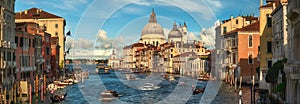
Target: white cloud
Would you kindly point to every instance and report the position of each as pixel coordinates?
(191, 36)
(101, 36)
(208, 36)
(166, 32)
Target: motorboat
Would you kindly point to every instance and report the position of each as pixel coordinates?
(96, 71)
(69, 81)
(181, 83)
(51, 87)
(109, 95)
(149, 86)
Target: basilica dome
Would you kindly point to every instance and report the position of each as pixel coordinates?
(174, 33)
(153, 28)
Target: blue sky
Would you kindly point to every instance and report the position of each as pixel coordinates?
(107, 24)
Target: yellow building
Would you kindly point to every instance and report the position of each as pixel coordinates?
(265, 50)
(55, 26)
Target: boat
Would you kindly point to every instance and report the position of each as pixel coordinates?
(96, 71)
(181, 83)
(171, 78)
(58, 95)
(24, 92)
(198, 90)
(52, 87)
(69, 81)
(148, 87)
(109, 95)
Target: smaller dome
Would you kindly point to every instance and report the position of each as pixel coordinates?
(175, 33)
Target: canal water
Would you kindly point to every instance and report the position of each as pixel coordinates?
(170, 91)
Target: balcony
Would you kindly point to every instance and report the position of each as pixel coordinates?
(26, 69)
(4, 44)
(293, 71)
(39, 61)
(13, 45)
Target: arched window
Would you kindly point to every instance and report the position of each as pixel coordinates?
(250, 58)
(250, 40)
(156, 43)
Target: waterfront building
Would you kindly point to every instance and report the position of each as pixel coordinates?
(220, 52)
(55, 26)
(241, 47)
(25, 53)
(129, 55)
(279, 41)
(265, 52)
(291, 68)
(154, 53)
(54, 59)
(113, 60)
(7, 48)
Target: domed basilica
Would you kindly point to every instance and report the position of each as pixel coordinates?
(153, 33)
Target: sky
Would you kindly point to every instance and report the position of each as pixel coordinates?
(98, 26)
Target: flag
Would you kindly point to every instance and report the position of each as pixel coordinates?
(69, 33)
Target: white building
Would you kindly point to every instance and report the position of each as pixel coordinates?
(7, 47)
(292, 67)
(113, 61)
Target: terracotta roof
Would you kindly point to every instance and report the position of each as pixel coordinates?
(186, 54)
(248, 18)
(251, 27)
(35, 13)
(137, 45)
(268, 5)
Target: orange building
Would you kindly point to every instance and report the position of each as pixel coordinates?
(242, 47)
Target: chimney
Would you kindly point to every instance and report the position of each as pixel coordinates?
(25, 11)
(231, 17)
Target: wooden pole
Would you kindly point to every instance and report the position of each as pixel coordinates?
(241, 79)
(30, 95)
(4, 96)
(235, 82)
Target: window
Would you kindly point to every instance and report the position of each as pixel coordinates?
(171, 55)
(250, 59)
(269, 21)
(56, 33)
(29, 44)
(236, 21)
(47, 50)
(21, 42)
(17, 40)
(56, 25)
(269, 47)
(171, 50)
(224, 30)
(269, 64)
(250, 41)
(14, 56)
